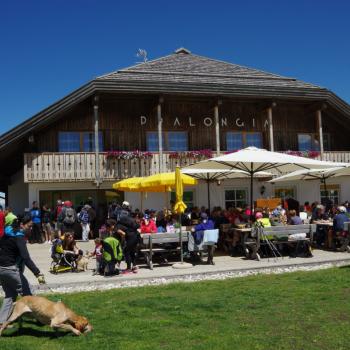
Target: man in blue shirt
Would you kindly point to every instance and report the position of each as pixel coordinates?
(339, 232)
(35, 214)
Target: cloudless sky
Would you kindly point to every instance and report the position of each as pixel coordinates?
(49, 48)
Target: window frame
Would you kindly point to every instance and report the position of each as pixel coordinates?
(81, 141)
(246, 200)
(330, 188)
(244, 138)
(315, 146)
(165, 137)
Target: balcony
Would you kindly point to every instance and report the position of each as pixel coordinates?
(72, 167)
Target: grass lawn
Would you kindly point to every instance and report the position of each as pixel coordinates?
(297, 311)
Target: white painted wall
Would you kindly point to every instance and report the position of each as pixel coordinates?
(22, 195)
(18, 193)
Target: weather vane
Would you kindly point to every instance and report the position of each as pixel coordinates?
(142, 53)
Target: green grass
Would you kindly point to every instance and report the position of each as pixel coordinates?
(297, 311)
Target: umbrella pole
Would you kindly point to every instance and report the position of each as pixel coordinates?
(251, 196)
(141, 193)
(325, 187)
(208, 188)
(181, 247)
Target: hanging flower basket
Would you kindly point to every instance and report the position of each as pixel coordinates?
(125, 155)
(201, 154)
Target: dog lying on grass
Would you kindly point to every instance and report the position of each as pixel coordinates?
(55, 314)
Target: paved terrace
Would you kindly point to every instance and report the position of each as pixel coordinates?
(225, 267)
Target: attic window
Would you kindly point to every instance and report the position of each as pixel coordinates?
(182, 50)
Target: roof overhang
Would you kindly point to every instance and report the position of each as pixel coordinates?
(151, 87)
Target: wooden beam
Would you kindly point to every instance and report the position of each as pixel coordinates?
(97, 144)
(217, 126)
(160, 132)
(269, 117)
(320, 131)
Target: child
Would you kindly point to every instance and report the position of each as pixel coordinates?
(98, 254)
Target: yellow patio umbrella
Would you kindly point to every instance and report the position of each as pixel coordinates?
(180, 206)
(133, 184)
(166, 181)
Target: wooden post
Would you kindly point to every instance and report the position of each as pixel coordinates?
(217, 127)
(160, 136)
(269, 116)
(97, 144)
(320, 132)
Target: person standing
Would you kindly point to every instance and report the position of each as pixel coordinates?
(68, 217)
(57, 217)
(46, 222)
(2, 221)
(14, 252)
(84, 219)
(128, 228)
(35, 215)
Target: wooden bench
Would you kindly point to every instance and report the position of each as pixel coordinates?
(149, 239)
(278, 235)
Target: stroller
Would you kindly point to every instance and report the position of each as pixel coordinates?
(61, 261)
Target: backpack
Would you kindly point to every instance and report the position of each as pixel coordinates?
(84, 216)
(69, 216)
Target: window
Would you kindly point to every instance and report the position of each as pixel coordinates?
(188, 198)
(238, 140)
(310, 142)
(285, 192)
(236, 197)
(70, 141)
(89, 142)
(172, 141)
(332, 194)
(177, 141)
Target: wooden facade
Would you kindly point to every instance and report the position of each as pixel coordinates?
(120, 123)
(124, 121)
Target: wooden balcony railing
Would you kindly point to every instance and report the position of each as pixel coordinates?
(69, 167)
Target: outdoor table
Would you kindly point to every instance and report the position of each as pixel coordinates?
(243, 234)
(328, 225)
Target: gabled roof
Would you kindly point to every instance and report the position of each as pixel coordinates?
(183, 73)
(184, 67)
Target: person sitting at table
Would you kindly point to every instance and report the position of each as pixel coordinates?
(318, 215)
(148, 225)
(294, 219)
(339, 232)
(263, 218)
(198, 234)
(278, 216)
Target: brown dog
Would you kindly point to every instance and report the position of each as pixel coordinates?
(56, 315)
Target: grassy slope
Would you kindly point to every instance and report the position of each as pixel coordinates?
(304, 310)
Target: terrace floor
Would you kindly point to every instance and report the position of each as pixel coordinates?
(225, 267)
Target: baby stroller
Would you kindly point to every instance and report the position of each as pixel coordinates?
(61, 261)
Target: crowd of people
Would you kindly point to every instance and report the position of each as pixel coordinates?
(119, 236)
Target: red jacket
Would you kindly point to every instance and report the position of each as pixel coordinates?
(150, 228)
(2, 223)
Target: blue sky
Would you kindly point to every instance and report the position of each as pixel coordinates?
(49, 48)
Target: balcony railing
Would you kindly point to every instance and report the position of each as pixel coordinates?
(70, 167)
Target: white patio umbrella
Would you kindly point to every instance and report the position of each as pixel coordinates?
(211, 175)
(315, 174)
(253, 160)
